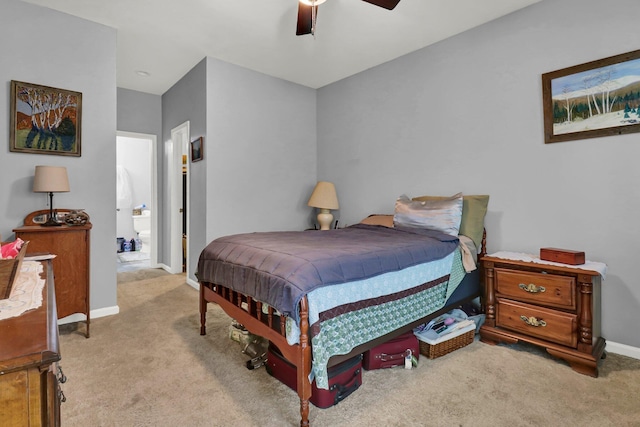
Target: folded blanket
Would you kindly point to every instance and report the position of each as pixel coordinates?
(469, 253)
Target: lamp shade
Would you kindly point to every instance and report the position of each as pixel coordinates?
(51, 179)
(324, 196)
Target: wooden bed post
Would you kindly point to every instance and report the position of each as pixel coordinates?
(304, 364)
(203, 311)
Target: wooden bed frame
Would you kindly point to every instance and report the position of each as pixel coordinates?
(249, 312)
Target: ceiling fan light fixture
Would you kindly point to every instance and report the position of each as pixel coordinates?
(308, 11)
(312, 2)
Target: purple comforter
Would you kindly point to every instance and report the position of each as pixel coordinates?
(279, 268)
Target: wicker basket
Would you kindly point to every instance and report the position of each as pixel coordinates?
(436, 350)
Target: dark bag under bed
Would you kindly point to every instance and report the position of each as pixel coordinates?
(392, 353)
(344, 378)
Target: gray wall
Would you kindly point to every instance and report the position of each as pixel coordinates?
(186, 101)
(260, 151)
(38, 45)
(259, 163)
(140, 112)
(466, 115)
(462, 115)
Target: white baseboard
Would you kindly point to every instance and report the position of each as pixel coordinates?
(193, 284)
(166, 268)
(101, 312)
(110, 311)
(623, 349)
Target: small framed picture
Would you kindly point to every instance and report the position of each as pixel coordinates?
(197, 148)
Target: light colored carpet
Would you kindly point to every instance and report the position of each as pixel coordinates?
(148, 366)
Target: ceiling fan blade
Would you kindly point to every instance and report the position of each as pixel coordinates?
(387, 4)
(305, 23)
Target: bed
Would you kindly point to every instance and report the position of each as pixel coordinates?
(322, 297)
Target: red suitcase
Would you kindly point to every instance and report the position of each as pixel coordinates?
(391, 353)
(344, 378)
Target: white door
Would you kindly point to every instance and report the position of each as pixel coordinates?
(178, 148)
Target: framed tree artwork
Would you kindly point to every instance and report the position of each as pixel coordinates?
(45, 120)
(595, 99)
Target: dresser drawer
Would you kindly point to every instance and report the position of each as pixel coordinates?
(537, 288)
(539, 322)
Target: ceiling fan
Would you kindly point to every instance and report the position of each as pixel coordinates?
(308, 10)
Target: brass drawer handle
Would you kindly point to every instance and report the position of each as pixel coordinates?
(62, 378)
(532, 321)
(531, 288)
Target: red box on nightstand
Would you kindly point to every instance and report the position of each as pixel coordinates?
(564, 256)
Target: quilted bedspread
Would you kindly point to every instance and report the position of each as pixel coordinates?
(279, 268)
(349, 314)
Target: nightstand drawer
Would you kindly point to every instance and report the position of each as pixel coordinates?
(537, 288)
(539, 322)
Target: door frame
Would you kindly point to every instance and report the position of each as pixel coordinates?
(153, 204)
(177, 148)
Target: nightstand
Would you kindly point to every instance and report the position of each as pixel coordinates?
(549, 305)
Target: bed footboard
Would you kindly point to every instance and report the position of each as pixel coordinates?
(269, 325)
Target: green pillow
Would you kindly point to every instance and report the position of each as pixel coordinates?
(474, 209)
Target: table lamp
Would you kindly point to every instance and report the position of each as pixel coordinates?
(324, 198)
(51, 179)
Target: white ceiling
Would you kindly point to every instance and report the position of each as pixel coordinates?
(166, 38)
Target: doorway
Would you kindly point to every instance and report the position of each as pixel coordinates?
(136, 206)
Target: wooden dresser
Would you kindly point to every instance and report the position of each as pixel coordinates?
(71, 245)
(555, 307)
(29, 385)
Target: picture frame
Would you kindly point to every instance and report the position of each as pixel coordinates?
(197, 149)
(595, 99)
(45, 120)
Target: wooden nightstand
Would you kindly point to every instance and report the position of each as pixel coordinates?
(552, 306)
(71, 245)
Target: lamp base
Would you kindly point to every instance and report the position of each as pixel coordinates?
(325, 219)
(51, 222)
(51, 219)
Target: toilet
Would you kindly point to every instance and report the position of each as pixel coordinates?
(142, 226)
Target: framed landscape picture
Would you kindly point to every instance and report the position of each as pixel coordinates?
(595, 99)
(45, 120)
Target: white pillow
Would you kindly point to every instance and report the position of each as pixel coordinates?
(442, 215)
